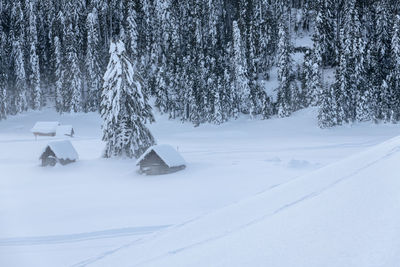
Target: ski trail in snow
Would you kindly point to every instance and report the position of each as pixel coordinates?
(105, 254)
(59, 239)
(276, 211)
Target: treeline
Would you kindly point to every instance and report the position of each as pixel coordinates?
(208, 60)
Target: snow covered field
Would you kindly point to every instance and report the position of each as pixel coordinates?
(279, 192)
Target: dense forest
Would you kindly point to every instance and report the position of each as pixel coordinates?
(206, 60)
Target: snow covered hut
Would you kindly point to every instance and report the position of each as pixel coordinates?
(65, 130)
(45, 128)
(160, 159)
(59, 151)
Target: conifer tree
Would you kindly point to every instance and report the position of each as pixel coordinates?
(241, 81)
(124, 107)
(3, 75)
(34, 59)
(285, 95)
(72, 85)
(93, 62)
(20, 102)
(59, 75)
(327, 116)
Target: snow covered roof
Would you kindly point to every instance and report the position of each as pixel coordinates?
(63, 150)
(167, 153)
(45, 127)
(64, 130)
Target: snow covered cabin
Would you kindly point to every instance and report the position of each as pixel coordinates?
(65, 130)
(45, 128)
(160, 159)
(59, 152)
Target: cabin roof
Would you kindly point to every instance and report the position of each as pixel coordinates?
(45, 127)
(62, 150)
(167, 153)
(64, 130)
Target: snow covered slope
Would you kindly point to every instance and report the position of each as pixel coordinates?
(346, 214)
(92, 211)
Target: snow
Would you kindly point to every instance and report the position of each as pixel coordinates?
(345, 214)
(45, 127)
(64, 130)
(63, 150)
(278, 192)
(167, 153)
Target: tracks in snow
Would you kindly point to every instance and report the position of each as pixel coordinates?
(69, 238)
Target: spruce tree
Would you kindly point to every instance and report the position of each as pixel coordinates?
(72, 85)
(124, 107)
(37, 98)
(59, 75)
(93, 62)
(327, 116)
(285, 95)
(241, 81)
(20, 102)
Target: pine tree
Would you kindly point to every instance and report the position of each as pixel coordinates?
(72, 85)
(93, 62)
(327, 116)
(394, 76)
(285, 95)
(124, 107)
(3, 74)
(324, 33)
(132, 30)
(20, 102)
(59, 75)
(37, 98)
(241, 81)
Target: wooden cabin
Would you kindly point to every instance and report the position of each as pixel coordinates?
(58, 152)
(45, 128)
(160, 159)
(65, 130)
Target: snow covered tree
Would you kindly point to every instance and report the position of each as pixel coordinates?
(72, 84)
(284, 64)
(93, 62)
(132, 30)
(241, 81)
(20, 102)
(327, 116)
(3, 74)
(323, 37)
(59, 75)
(394, 76)
(37, 100)
(124, 107)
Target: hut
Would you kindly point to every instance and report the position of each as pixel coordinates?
(65, 130)
(45, 128)
(58, 152)
(160, 159)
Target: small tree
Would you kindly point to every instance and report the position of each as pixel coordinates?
(124, 107)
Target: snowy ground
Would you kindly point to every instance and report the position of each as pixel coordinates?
(254, 193)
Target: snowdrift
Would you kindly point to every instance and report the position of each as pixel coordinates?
(345, 214)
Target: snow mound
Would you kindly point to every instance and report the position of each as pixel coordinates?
(345, 214)
(63, 150)
(45, 127)
(300, 164)
(167, 153)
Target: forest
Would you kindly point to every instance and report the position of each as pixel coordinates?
(206, 60)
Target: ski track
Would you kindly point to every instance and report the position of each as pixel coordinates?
(276, 211)
(70, 238)
(105, 254)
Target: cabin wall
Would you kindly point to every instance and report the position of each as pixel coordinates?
(152, 159)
